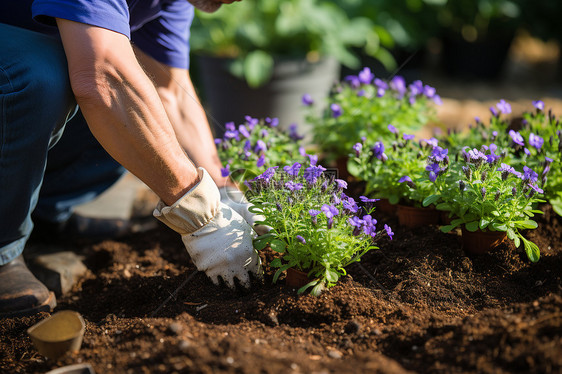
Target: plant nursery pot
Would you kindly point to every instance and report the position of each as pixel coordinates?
(229, 98)
(444, 218)
(409, 216)
(60, 333)
(296, 278)
(480, 242)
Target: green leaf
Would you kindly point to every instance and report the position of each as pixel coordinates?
(332, 276)
(393, 199)
(447, 228)
(533, 251)
(430, 200)
(483, 223)
(278, 246)
(499, 226)
(511, 234)
(527, 224)
(471, 226)
(276, 263)
(258, 67)
(260, 243)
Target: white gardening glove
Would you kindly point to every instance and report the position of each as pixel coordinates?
(235, 199)
(217, 238)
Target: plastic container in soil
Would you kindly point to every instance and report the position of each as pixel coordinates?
(296, 278)
(480, 242)
(411, 217)
(60, 333)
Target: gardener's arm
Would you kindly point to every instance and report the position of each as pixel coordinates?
(123, 109)
(186, 115)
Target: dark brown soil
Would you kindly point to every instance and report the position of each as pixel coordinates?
(418, 304)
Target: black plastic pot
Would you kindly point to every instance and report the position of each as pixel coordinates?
(228, 98)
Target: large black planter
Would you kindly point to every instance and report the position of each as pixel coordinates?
(228, 98)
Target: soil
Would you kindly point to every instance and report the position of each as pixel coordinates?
(418, 304)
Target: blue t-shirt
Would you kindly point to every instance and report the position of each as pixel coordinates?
(160, 28)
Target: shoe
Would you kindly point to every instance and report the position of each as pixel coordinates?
(21, 294)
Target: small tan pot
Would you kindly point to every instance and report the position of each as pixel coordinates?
(480, 242)
(409, 216)
(296, 278)
(60, 333)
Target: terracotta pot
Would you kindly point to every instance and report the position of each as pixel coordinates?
(384, 206)
(409, 216)
(480, 242)
(296, 278)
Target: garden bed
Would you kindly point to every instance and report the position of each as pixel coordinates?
(418, 304)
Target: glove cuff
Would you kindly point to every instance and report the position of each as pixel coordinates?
(194, 209)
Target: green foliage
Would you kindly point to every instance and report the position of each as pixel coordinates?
(257, 32)
(250, 148)
(311, 220)
(363, 106)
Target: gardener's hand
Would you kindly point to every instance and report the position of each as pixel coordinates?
(217, 238)
(235, 199)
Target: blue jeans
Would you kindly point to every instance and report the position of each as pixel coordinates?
(41, 171)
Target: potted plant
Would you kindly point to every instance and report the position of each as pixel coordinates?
(404, 172)
(362, 106)
(250, 148)
(316, 228)
(493, 199)
(259, 57)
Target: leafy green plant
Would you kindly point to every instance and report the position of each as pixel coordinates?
(405, 171)
(254, 33)
(249, 149)
(316, 228)
(491, 195)
(363, 106)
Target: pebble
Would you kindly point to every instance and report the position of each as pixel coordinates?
(175, 328)
(332, 353)
(352, 327)
(184, 345)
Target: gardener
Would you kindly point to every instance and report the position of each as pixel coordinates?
(125, 63)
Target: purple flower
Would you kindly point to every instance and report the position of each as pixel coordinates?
(380, 84)
(267, 175)
(336, 110)
(218, 141)
(504, 106)
(539, 104)
(516, 137)
(357, 223)
(408, 137)
(293, 170)
(252, 122)
(313, 212)
(432, 142)
(350, 205)
(353, 81)
(535, 188)
(365, 76)
(380, 92)
(365, 199)
(247, 146)
(493, 111)
(313, 159)
(244, 131)
(388, 231)
(405, 178)
(429, 91)
(272, 122)
(329, 210)
(433, 170)
(341, 184)
(357, 148)
(527, 152)
(293, 132)
(439, 154)
(225, 172)
(475, 155)
(378, 150)
(361, 93)
(263, 133)
(307, 100)
(369, 226)
(437, 100)
(398, 84)
(292, 186)
(536, 141)
(231, 134)
(312, 173)
(529, 174)
(261, 161)
(392, 129)
(412, 100)
(260, 146)
(300, 239)
(230, 126)
(416, 88)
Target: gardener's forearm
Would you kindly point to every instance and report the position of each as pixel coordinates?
(123, 109)
(186, 115)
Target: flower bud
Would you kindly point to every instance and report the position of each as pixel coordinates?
(483, 192)
(483, 176)
(497, 197)
(279, 208)
(514, 191)
(467, 172)
(505, 174)
(462, 186)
